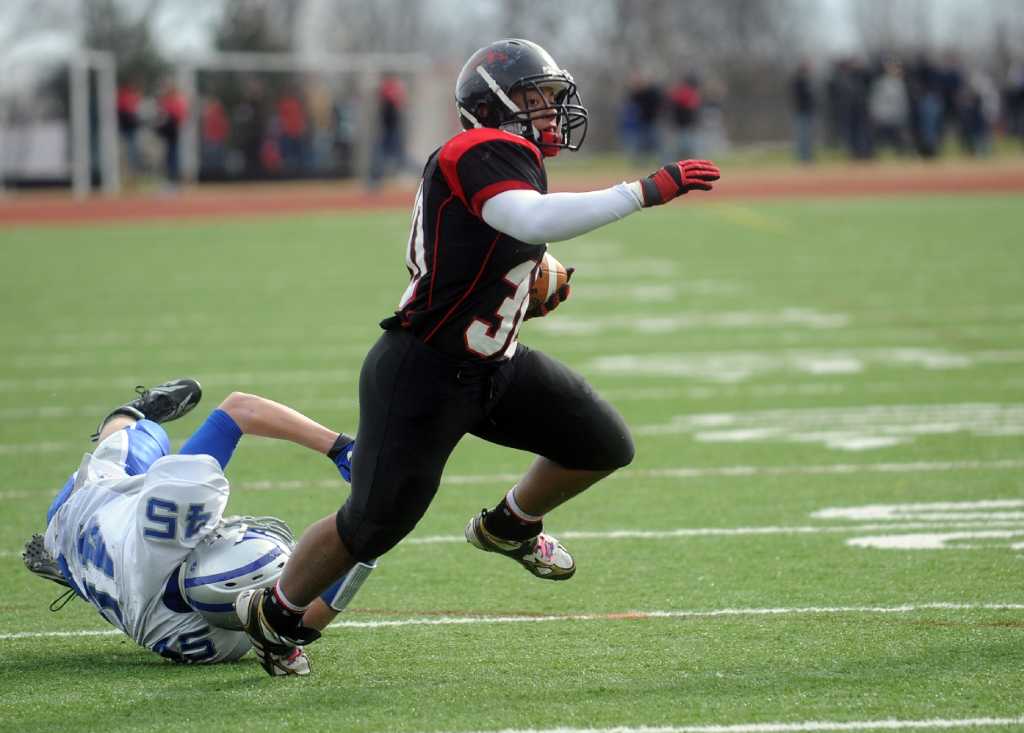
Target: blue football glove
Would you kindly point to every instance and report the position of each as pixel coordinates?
(341, 454)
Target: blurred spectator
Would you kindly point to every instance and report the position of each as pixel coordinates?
(292, 118)
(640, 118)
(1015, 99)
(248, 120)
(890, 108)
(684, 117)
(344, 118)
(389, 154)
(172, 107)
(979, 110)
(804, 110)
(271, 161)
(320, 117)
(925, 110)
(129, 98)
(214, 130)
(835, 134)
(714, 140)
(951, 80)
(852, 101)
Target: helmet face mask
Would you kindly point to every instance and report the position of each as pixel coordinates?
(498, 74)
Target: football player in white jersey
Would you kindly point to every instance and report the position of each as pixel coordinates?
(140, 533)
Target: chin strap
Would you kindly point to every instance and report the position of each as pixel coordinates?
(550, 143)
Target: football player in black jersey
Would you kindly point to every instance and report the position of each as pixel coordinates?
(449, 362)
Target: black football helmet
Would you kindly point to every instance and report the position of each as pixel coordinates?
(492, 74)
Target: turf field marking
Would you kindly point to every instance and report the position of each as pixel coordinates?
(755, 471)
(990, 512)
(738, 366)
(7, 449)
(983, 528)
(654, 292)
(940, 541)
(1010, 527)
(470, 618)
(5, 495)
(810, 726)
(670, 534)
(752, 219)
(231, 380)
(97, 411)
(670, 474)
(934, 510)
(670, 323)
(622, 270)
(847, 428)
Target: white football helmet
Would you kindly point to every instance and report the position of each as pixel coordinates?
(242, 553)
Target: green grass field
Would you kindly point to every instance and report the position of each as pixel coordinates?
(775, 360)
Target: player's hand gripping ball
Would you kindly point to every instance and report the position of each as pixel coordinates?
(550, 287)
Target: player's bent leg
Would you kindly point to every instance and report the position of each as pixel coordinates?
(579, 438)
(135, 447)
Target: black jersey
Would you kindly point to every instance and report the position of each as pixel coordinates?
(469, 283)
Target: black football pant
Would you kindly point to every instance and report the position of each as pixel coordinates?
(416, 404)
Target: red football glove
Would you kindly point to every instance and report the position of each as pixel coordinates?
(675, 179)
(560, 296)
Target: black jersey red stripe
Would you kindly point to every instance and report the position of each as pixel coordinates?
(477, 279)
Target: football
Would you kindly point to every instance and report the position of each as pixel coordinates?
(551, 276)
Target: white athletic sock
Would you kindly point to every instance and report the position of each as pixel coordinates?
(283, 601)
(513, 505)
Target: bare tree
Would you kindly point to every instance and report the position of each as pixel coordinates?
(257, 25)
(356, 26)
(107, 27)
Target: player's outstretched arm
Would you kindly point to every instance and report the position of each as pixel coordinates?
(247, 414)
(257, 415)
(531, 216)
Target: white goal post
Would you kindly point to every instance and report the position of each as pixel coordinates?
(71, 146)
(86, 141)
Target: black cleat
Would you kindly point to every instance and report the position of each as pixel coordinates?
(162, 403)
(39, 562)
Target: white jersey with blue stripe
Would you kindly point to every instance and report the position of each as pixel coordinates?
(120, 540)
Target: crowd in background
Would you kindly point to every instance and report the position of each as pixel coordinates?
(682, 120)
(259, 128)
(906, 105)
(277, 125)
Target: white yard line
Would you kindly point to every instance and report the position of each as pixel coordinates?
(651, 615)
(483, 479)
(230, 380)
(811, 726)
(95, 412)
(1004, 527)
(615, 616)
(10, 449)
(1007, 527)
(672, 534)
(825, 470)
